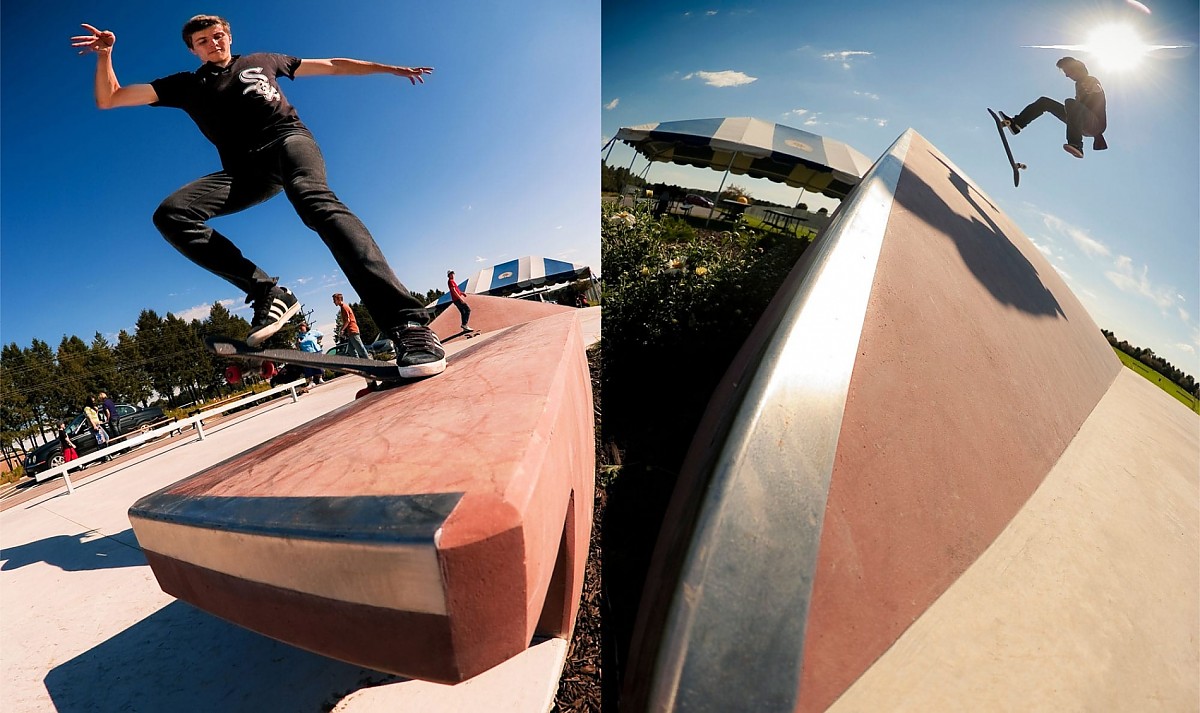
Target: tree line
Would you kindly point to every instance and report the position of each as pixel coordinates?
(161, 362)
(1157, 363)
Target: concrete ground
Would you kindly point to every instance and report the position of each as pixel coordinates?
(86, 627)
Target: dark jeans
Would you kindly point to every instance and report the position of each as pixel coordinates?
(1079, 119)
(295, 166)
(464, 310)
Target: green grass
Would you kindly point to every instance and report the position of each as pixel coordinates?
(757, 224)
(1161, 381)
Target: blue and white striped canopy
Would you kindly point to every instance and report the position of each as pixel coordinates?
(519, 275)
(755, 148)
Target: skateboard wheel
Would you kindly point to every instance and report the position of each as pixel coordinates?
(1022, 166)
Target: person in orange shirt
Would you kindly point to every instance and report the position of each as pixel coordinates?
(350, 331)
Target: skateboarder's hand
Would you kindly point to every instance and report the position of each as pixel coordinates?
(96, 41)
(414, 74)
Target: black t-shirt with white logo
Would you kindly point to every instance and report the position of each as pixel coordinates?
(239, 108)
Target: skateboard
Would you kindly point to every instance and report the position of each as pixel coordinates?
(382, 371)
(468, 333)
(1016, 167)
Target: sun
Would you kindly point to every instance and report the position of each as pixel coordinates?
(1113, 47)
(1116, 47)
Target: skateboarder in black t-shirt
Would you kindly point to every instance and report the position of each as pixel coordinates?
(1085, 115)
(236, 102)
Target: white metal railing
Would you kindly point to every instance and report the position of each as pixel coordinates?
(137, 439)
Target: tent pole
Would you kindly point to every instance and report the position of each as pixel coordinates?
(720, 188)
(798, 199)
(621, 197)
(612, 144)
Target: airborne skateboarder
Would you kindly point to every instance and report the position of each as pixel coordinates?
(1085, 115)
(237, 104)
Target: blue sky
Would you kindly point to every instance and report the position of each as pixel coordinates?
(1123, 226)
(492, 158)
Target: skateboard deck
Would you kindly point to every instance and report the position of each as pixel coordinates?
(366, 368)
(1016, 167)
(468, 333)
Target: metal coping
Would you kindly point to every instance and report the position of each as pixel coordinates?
(734, 634)
(365, 518)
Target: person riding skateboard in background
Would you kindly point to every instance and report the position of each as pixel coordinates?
(459, 300)
(1085, 115)
(237, 104)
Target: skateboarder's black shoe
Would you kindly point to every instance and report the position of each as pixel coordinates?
(1012, 125)
(1076, 151)
(418, 351)
(272, 309)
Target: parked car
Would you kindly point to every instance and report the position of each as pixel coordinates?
(381, 348)
(693, 199)
(130, 419)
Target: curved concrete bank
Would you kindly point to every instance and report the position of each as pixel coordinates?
(912, 385)
(430, 531)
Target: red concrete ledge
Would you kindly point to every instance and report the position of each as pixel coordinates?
(431, 531)
(490, 314)
(832, 494)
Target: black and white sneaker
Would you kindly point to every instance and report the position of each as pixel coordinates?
(1012, 125)
(418, 351)
(272, 310)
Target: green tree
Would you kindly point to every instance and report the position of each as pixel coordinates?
(102, 365)
(223, 323)
(733, 192)
(16, 413)
(73, 384)
(37, 381)
(188, 371)
(366, 324)
(133, 381)
(154, 350)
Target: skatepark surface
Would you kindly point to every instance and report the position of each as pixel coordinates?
(86, 627)
(960, 501)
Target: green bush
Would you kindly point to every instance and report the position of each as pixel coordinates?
(13, 475)
(678, 303)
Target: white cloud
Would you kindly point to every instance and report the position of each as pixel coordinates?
(1137, 282)
(613, 104)
(866, 95)
(874, 120)
(846, 57)
(1086, 243)
(810, 117)
(201, 311)
(710, 13)
(725, 78)
(1043, 249)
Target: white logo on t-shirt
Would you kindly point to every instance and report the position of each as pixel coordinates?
(256, 81)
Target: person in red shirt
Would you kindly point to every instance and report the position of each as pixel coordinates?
(460, 301)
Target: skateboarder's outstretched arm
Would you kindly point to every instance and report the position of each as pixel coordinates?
(109, 92)
(344, 66)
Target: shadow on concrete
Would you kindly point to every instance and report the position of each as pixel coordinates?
(985, 248)
(181, 659)
(74, 553)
